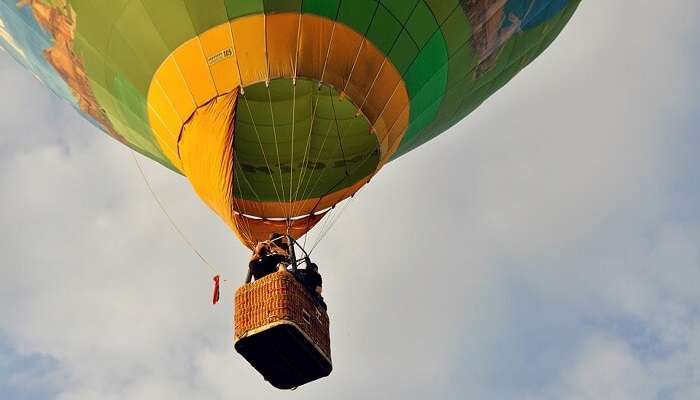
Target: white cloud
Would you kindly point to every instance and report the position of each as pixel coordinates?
(608, 370)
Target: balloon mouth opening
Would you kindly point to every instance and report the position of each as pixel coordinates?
(300, 145)
(284, 219)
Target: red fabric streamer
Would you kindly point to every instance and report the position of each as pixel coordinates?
(216, 290)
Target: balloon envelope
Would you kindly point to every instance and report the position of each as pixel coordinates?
(276, 110)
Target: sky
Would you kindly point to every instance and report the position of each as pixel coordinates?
(547, 247)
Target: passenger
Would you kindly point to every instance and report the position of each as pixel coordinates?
(278, 244)
(285, 245)
(264, 262)
(312, 281)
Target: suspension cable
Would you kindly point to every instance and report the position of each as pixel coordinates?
(305, 192)
(274, 134)
(262, 149)
(169, 217)
(313, 111)
(291, 162)
(294, 108)
(335, 219)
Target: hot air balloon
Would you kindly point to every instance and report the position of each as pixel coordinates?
(277, 110)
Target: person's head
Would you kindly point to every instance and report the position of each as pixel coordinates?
(261, 248)
(284, 243)
(275, 238)
(312, 267)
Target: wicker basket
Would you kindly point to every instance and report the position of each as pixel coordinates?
(281, 331)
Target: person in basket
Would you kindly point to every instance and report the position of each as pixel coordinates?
(265, 261)
(312, 281)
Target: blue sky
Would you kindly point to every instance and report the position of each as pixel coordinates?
(546, 248)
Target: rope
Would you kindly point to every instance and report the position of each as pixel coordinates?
(357, 168)
(294, 108)
(307, 147)
(335, 219)
(169, 217)
(313, 114)
(340, 140)
(274, 134)
(326, 219)
(247, 182)
(305, 192)
(262, 149)
(291, 163)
